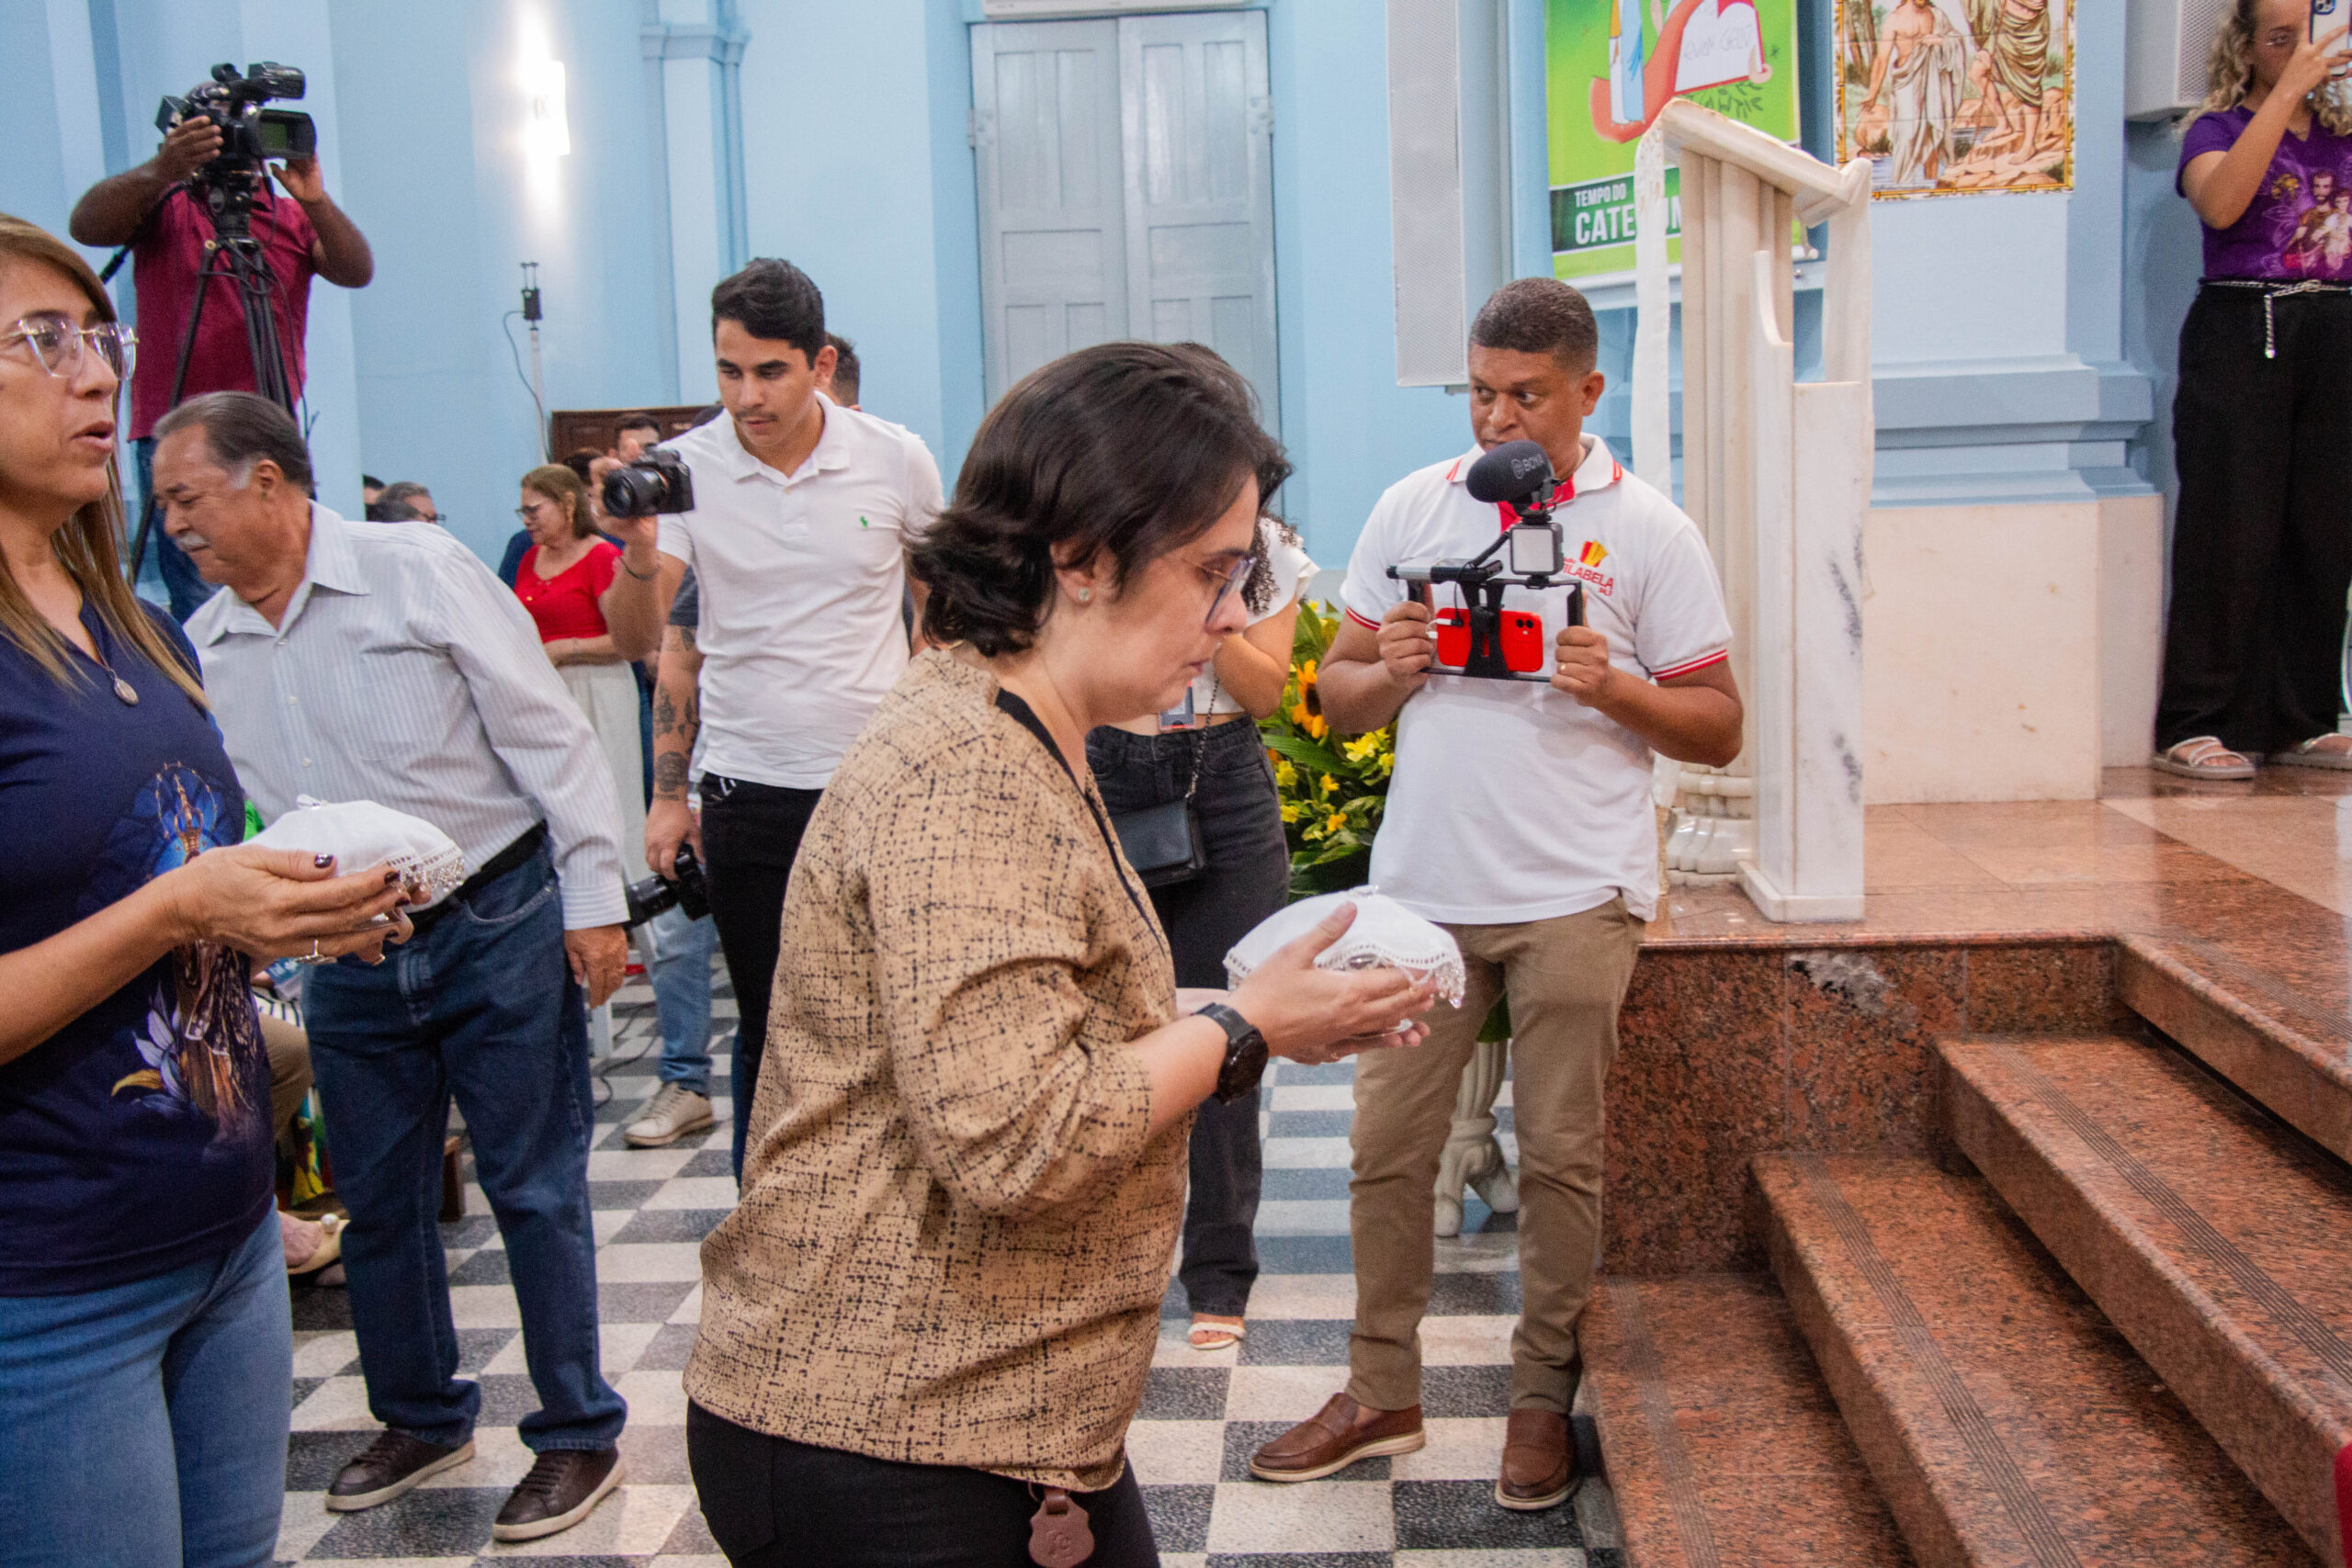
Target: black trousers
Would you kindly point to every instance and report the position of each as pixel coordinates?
(751, 833)
(1247, 879)
(2262, 543)
(773, 1502)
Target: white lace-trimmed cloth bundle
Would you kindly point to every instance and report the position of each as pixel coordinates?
(360, 834)
(1385, 933)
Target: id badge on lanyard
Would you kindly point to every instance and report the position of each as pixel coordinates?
(1185, 718)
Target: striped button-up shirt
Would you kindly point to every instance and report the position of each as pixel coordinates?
(403, 673)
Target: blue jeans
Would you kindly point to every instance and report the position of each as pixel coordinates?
(679, 966)
(146, 1424)
(480, 1005)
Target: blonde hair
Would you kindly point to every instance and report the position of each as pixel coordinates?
(89, 546)
(2229, 73)
(561, 485)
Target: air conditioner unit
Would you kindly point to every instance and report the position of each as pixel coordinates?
(2165, 43)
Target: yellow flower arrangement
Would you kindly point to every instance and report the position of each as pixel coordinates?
(1332, 790)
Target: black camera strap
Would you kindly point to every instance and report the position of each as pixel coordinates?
(146, 221)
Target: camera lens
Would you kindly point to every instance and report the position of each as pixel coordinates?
(633, 493)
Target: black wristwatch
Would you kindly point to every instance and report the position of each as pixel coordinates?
(1244, 1053)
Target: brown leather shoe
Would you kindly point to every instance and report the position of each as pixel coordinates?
(1539, 1460)
(390, 1465)
(1340, 1434)
(563, 1488)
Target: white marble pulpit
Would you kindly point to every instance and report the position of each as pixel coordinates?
(1775, 473)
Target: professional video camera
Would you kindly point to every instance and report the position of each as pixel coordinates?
(689, 891)
(249, 135)
(656, 483)
(1480, 637)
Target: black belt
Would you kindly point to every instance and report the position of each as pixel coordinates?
(513, 857)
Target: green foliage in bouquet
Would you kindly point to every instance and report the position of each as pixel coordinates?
(1333, 789)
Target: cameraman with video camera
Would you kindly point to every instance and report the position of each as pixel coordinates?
(1520, 819)
(157, 212)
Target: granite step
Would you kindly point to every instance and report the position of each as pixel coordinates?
(2290, 1052)
(2007, 1422)
(2218, 1242)
(1723, 1444)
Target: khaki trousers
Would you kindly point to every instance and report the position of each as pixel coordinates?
(1565, 979)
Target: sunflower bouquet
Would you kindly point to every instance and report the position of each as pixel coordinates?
(1333, 788)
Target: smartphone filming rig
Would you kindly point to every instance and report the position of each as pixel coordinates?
(1479, 638)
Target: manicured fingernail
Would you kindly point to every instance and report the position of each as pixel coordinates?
(323, 861)
(391, 877)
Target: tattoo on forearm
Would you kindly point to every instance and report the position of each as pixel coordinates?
(665, 712)
(670, 775)
(686, 637)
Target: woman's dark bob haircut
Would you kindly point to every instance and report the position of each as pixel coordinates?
(1133, 448)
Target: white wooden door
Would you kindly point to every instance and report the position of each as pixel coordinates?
(1126, 189)
(1052, 231)
(1198, 131)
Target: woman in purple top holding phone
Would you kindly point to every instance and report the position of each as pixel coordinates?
(2262, 424)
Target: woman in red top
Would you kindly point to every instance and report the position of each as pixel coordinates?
(562, 580)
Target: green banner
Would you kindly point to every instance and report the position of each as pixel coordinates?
(1610, 65)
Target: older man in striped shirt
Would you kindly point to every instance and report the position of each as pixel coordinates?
(387, 664)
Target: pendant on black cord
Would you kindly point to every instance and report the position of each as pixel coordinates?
(1057, 1534)
(126, 691)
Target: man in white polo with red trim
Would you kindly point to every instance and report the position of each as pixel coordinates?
(1519, 818)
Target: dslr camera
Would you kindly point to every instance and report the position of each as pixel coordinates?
(1479, 638)
(251, 136)
(657, 483)
(689, 891)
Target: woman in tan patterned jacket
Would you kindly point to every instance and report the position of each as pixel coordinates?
(931, 1317)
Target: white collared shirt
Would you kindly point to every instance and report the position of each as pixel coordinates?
(1513, 801)
(801, 577)
(405, 673)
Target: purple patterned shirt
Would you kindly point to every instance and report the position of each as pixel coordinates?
(2300, 223)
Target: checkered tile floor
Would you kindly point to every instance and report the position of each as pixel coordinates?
(1202, 1414)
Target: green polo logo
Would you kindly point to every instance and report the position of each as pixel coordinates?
(862, 522)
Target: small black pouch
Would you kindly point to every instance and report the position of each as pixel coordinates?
(1162, 842)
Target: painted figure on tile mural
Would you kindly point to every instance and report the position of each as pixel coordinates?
(2018, 56)
(1923, 57)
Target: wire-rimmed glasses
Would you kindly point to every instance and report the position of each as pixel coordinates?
(57, 343)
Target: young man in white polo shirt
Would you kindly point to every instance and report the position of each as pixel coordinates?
(1520, 819)
(803, 514)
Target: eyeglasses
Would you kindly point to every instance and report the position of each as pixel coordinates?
(57, 343)
(1229, 582)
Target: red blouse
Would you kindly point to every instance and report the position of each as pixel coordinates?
(564, 606)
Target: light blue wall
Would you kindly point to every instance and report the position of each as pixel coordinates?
(2015, 334)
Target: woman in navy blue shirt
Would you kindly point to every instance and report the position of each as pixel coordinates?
(145, 1355)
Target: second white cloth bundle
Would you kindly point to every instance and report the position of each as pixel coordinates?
(1384, 933)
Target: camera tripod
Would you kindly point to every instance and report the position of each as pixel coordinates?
(233, 256)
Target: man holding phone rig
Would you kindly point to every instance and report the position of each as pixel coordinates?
(1519, 818)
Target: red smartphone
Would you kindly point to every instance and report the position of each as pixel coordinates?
(1454, 638)
(1523, 642)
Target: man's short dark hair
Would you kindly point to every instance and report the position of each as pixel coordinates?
(773, 299)
(636, 422)
(239, 430)
(1540, 315)
(1131, 449)
(845, 368)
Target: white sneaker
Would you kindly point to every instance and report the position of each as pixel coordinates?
(674, 1111)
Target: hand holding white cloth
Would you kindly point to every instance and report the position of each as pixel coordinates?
(1384, 933)
(360, 834)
